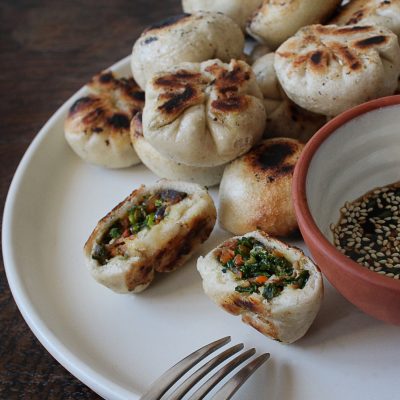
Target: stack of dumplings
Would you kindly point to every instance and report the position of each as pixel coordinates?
(201, 111)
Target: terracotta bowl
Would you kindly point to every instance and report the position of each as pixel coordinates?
(357, 151)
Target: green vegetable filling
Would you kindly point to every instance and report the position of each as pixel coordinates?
(264, 271)
(149, 212)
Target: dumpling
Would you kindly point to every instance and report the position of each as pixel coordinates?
(205, 114)
(239, 10)
(370, 12)
(164, 167)
(258, 51)
(284, 118)
(155, 229)
(256, 189)
(329, 69)
(276, 20)
(275, 288)
(97, 125)
(185, 38)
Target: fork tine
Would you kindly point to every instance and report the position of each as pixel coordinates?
(232, 386)
(166, 380)
(219, 375)
(203, 371)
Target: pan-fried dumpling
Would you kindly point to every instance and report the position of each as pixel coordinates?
(256, 189)
(277, 20)
(155, 229)
(275, 288)
(284, 118)
(97, 125)
(329, 69)
(370, 12)
(238, 10)
(164, 167)
(185, 38)
(204, 114)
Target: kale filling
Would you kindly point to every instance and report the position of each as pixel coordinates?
(249, 260)
(150, 211)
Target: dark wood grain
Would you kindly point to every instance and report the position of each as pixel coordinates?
(48, 50)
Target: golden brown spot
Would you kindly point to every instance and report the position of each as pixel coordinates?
(81, 103)
(230, 104)
(273, 160)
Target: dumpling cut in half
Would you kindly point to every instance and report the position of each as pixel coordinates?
(329, 69)
(97, 125)
(155, 229)
(204, 114)
(275, 288)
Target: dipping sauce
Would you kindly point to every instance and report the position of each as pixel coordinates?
(368, 230)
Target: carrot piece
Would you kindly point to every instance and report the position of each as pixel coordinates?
(226, 255)
(238, 260)
(126, 233)
(261, 279)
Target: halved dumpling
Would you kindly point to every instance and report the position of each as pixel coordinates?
(274, 287)
(155, 229)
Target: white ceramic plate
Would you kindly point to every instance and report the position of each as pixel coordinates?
(118, 344)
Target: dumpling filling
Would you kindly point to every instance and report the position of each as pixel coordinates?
(259, 269)
(150, 211)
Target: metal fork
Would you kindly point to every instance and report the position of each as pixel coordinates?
(170, 377)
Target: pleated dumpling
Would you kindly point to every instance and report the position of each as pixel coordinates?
(204, 114)
(329, 69)
(97, 125)
(370, 12)
(277, 20)
(274, 287)
(185, 38)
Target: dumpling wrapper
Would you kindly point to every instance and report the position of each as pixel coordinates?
(185, 38)
(284, 117)
(275, 20)
(285, 318)
(370, 12)
(204, 114)
(97, 125)
(166, 168)
(329, 69)
(163, 248)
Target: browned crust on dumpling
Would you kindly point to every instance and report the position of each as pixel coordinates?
(179, 91)
(172, 256)
(99, 111)
(356, 11)
(183, 89)
(265, 177)
(163, 248)
(318, 61)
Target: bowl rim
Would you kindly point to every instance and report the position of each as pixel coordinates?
(303, 214)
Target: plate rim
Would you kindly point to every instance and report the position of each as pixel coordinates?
(81, 370)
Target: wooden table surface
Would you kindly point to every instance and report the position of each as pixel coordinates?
(48, 50)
